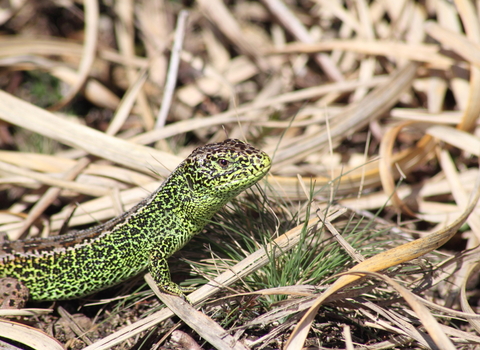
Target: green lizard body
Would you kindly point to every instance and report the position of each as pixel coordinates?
(81, 263)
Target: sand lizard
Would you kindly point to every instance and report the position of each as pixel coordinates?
(83, 262)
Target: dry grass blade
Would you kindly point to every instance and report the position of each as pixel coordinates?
(172, 70)
(73, 325)
(32, 118)
(455, 137)
(31, 337)
(400, 324)
(427, 53)
(464, 299)
(472, 27)
(199, 322)
(94, 91)
(25, 312)
(389, 258)
(49, 196)
(90, 46)
(219, 14)
(458, 191)
(124, 26)
(458, 42)
(45, 179)
(427, 319)
(460, 195)
(126, 104)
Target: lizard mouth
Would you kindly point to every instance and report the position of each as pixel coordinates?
(248, 178)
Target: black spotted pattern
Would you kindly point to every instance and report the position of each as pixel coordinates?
(80, 263)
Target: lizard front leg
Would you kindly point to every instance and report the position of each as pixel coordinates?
(160, 272)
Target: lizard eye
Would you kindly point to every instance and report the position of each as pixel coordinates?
(223, 163)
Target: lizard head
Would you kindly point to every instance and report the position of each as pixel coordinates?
(217, 172)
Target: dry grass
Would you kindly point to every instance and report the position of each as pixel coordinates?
(374, 103)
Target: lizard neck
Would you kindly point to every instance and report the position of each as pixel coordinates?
(181, 198)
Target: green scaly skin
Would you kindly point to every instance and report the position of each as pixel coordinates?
(81, 263)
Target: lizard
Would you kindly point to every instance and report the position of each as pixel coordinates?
(81, 263)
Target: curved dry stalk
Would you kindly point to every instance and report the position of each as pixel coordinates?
(92, 15)
(382, 261)
(387, 162)
(29, 336)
